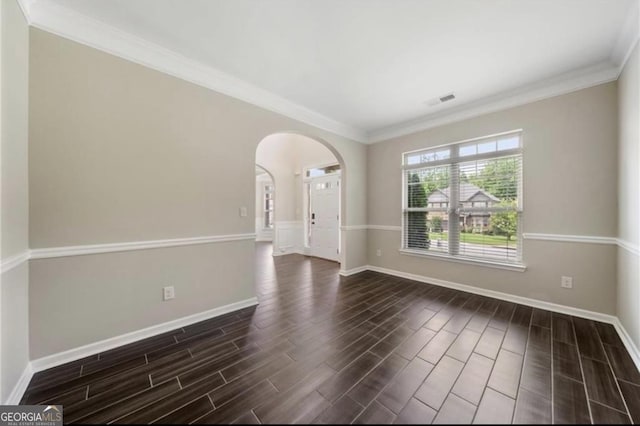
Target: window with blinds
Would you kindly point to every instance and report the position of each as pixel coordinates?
(464, 200)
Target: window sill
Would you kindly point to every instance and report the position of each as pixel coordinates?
(518, 267)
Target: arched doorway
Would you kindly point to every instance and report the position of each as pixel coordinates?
(309, 175)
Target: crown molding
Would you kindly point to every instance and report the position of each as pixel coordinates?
(80, 28)
(559, 85)
(24, 6)
(628, 37)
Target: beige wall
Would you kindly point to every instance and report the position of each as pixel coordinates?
(119, 152)
(14, 327)
(628, 194)
(14, 286)
(101, 296)
(570, 162)
(15, 69)
(142, 141)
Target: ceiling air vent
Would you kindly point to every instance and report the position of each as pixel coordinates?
(448, 97)
(442, 99)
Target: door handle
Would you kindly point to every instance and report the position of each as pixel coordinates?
(313, 215)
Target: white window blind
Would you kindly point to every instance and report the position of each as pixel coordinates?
(465, 199)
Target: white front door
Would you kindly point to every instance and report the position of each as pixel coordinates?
(324, 217)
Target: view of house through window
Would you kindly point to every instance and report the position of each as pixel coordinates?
(465, 199)
(268, 206)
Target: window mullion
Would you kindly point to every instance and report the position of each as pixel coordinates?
(454, 197)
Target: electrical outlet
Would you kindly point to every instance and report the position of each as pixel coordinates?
(379, 252)
(243, 212)
(566, 282)
(168, 293)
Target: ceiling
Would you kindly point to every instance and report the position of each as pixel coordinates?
(371, 65)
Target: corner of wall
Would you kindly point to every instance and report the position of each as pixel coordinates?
(14, 286)
(628, 260)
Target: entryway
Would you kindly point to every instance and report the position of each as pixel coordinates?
(308, 175)
(323, 216)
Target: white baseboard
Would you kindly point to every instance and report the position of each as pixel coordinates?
(628, 342)
(540, 304)
(288, 250)
(348, 272)
(114, 342)
(18, 390)
(104, 345)
(631, 347)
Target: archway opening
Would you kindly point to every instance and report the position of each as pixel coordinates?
(309, 176)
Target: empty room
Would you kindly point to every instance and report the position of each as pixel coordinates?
(319, 211)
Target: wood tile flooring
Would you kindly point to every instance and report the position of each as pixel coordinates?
(369, 348)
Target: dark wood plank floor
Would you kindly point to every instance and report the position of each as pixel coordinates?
(369, 348)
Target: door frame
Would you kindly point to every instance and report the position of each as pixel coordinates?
(306, 181)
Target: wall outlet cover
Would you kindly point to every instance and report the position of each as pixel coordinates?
(566, 282)
(168, 293)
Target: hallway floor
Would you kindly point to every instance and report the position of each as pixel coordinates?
(369, 348)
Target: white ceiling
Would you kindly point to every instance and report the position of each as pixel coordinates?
(370, 64)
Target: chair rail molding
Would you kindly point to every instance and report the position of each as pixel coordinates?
(14, 261)
(45, 253)
(395, 228)
(353, 227)
(564, 238)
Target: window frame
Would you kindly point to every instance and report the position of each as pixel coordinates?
(265, 210)
(455, 158)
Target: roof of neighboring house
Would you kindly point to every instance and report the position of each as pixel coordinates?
(468, 192)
